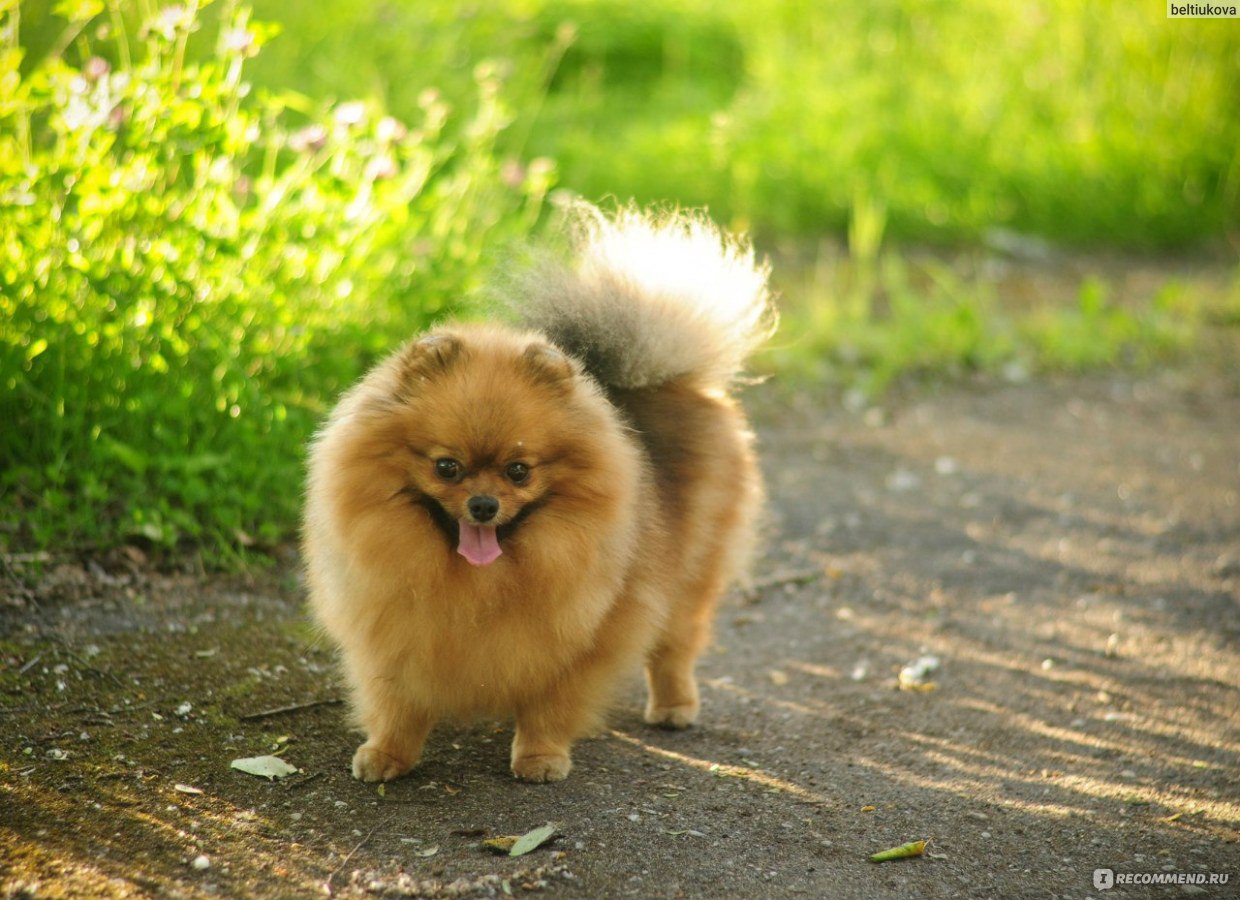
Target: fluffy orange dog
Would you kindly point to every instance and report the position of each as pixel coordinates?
(504, 522)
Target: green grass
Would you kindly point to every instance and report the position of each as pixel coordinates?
(191, 273)
(1085, 122)
(192, 269)
(862, 326)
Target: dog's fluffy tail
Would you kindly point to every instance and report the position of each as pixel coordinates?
(646, 299)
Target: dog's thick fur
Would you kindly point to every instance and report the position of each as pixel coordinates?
(503, 522)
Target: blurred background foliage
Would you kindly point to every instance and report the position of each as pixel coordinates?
(212, 220)
(1094, 121)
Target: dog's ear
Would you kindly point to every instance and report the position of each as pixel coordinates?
(547, 365)
(428, 356)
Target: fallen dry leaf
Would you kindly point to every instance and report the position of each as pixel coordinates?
(501, 844)
(270, 767)
(519, 845)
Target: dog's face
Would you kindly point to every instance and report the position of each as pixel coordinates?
(485, 436)
(479, 492)
(477, 445)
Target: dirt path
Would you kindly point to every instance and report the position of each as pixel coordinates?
(1068, 552)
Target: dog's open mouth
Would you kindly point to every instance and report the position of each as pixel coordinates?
(479, 544)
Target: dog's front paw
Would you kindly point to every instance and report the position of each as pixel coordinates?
(371, 763)
(680, 716)
(542, 767)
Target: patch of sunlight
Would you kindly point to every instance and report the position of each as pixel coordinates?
(723, 770)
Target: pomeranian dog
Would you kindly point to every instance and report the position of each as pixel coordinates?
(503, 522)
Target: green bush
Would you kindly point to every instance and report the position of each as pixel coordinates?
(191, 271)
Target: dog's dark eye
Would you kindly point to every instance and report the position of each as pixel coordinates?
(448, 469)
(517, 473)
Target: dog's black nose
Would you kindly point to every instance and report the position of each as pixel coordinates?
(483, 508)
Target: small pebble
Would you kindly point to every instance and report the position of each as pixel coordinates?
(201, 863)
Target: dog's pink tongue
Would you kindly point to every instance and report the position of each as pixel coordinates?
(478, 544)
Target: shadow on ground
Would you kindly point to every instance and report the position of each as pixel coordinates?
(1068, 552)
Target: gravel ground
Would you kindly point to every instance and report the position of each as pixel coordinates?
(1062, 558)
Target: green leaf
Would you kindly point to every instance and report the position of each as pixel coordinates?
(130, 457)
(78, 10)
(532, 840)
(36, 348)
(904, 851)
